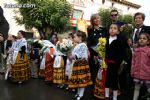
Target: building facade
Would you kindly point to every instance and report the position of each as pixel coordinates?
(85, 8)
(81, 9)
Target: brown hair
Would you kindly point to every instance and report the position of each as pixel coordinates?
(71, 35)
(13, 36)
(82, 35)
(139, 13)
(22, 32)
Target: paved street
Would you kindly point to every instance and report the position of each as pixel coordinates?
(36, 89)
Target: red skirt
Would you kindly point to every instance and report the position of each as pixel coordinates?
(47, 73)
(99, 90)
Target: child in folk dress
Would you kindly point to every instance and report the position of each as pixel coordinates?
(140, 69)
(80, 77)
(115, 50)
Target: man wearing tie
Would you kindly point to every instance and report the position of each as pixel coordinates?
(139, 27)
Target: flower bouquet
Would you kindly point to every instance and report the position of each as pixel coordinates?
(65, 46)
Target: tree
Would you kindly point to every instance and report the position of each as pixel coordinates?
(126, 30)
(105, 17)
(45, 15)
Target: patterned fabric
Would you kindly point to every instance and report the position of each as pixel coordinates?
(99, 91)
(20, 70)
(81, 76)
(48, 73)
(80, 51)
(59, 73)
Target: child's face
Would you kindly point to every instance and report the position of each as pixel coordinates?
(143, 40)
(76, 38)
(113, 30)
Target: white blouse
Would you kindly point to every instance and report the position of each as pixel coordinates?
(80, 51)
(111, 39)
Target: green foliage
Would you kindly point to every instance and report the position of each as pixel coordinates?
(52, 14)
(127, 18)
(126, 30)
(105, 17)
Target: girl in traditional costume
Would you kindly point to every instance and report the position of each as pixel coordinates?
(80, 77)
(46, 66)
(59, 70)
(99, 91)
(20, 65)
(59, 65)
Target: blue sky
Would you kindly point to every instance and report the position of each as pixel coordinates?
(145, 9)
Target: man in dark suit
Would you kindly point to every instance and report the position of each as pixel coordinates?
(139, 26)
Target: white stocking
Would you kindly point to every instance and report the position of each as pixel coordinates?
(81, 91)
(136, 92)
(107, 92)
(115, 92)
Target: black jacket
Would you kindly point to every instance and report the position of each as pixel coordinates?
(116, 51)
(145, 29)
(94, 35)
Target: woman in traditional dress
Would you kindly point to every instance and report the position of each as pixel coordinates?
(80, 77)
(46, 66)
(99, 90)
(59, 65)
(20, 66)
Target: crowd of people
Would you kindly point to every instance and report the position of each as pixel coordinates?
(123, 61)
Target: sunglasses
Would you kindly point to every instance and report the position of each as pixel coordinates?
(114, 14)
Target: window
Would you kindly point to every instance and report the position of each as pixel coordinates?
(77, 13)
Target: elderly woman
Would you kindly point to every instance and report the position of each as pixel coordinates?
(95, 31)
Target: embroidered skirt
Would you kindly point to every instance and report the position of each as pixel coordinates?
(20, 70)
(59, 73)
(81, 76)
(48, 72)
(99, 90)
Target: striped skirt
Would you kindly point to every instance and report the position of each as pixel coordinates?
(59, 73)
(20, 70)
(81, 76)
(99, 90)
